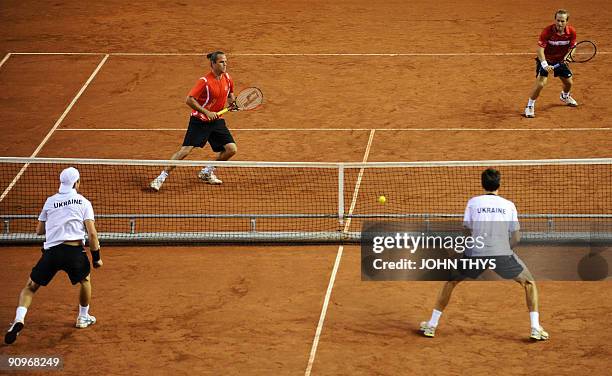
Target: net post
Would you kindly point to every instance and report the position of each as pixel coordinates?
(551, 224)
(341, 194)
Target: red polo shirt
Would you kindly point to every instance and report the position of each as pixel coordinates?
(211, 93)
(557, 46)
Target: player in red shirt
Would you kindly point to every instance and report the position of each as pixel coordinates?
(554, 43)
(209, 95)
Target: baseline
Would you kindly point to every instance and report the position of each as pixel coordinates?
(375, 54)
(579, 129)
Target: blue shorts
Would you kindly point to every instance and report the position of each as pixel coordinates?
(561, 71)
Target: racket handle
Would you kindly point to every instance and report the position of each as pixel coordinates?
(557, 65)
(223, 111)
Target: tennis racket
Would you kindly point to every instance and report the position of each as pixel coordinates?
(248, 99)
(581, 53)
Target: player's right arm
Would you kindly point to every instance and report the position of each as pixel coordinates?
(200, 90)
(40, 228)
(94, 242)
(542, 58)
(193, 103)
(542, 43)
(515, 238)
(42, 219)
(515, 227)
(467, 220)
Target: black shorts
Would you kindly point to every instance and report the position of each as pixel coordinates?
(69, 258)
(507, 267)
(215, 132)
(561, 71)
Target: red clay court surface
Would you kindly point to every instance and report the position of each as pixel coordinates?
(246, 310)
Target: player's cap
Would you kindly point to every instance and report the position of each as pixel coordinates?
(67, 179)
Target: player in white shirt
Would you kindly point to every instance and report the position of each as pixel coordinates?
(496, 220)
(63, 220)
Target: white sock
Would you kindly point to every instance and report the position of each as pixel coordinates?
(535, 319)
(564, 94)
(83, 311)
(20, 314)
(531, 102)
(435, 317)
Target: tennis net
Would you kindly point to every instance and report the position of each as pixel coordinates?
(567, 200)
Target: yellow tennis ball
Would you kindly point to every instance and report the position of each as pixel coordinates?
(382, 199)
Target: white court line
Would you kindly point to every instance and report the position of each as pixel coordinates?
(332, 278)
(387, 54)
(233, 129)
(330, 286)
(358, 183)
(159, 54)
(55, 126)
(6, 57)
(59, 53)
(408, 54)
(529, 129)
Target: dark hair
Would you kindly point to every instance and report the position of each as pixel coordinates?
(490, 179)
(213, 56)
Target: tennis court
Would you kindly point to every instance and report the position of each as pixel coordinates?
(421, 82)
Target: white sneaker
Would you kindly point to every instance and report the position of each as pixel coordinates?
(157, 183)
(85, 321)
(427, 330)
(209, 177)
(568, 100)
(539, 334)
(529, 112)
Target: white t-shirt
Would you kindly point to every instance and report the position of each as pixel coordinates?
(64, 215)
(493, 218)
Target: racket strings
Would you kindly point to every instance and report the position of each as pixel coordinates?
(248, 99)
(583, 52)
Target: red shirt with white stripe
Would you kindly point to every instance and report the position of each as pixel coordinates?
(211, 93)
(557, 46)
